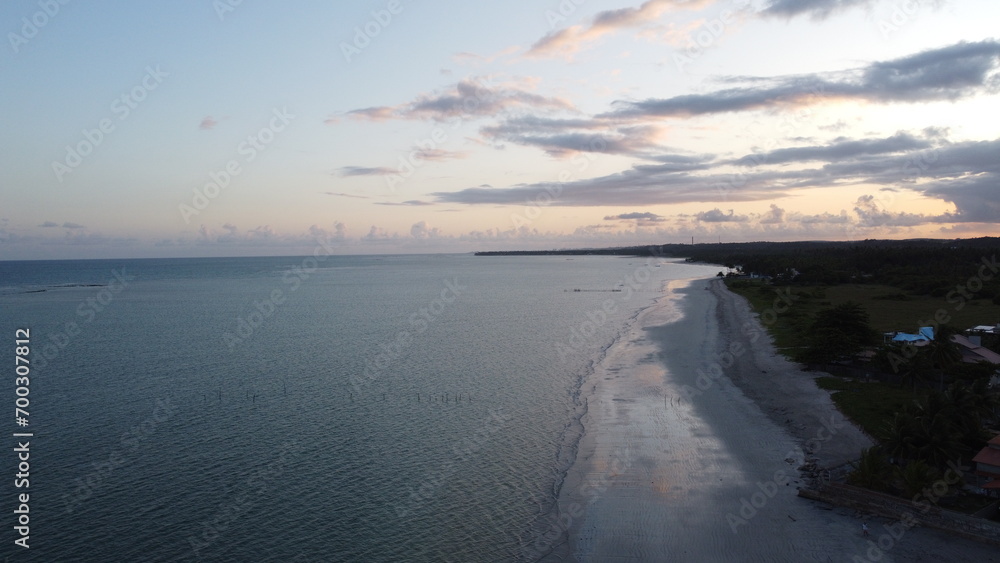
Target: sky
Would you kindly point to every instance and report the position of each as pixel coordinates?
(244, 127)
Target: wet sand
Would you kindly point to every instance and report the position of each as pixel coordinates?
(696, 438)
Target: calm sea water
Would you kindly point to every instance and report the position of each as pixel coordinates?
(388, 408)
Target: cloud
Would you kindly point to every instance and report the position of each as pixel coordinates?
(421, 231)
(437, 155)
(261, 232)
(630, 187)
(635, 215)
(717, 216)
(563, 137)
(341, 194)
(469, 98)
(347, 171)
(208, 122)
(840, 148)
(66, 225)
(774, 216)
(822, 218)
(976, 198)
(568, 41)
(639, 219)
(466, 58)
(377, 234)
(407, 203)
(949, 73)
(871, 215)
(966, 174)
(817, 9)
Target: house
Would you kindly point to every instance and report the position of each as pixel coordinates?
(923, 337)
(972, 352)
(988, 466)
(985, 335)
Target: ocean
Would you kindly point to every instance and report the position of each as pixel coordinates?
(344, 408)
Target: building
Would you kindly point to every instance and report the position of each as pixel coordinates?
(988, 466)
(973, 352)
(923, 337)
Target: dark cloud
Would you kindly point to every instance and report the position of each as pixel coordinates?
(409, 203)
(71, 225)
(718, 216)
(635, 215)
(49, 224)
(976, 199)
(948, 73)
(839, 148)
(347, 171)
(473, 97)
(561, 137)
(818, 9)
(966, 174)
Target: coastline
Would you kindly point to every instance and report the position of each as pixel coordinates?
(696, 438)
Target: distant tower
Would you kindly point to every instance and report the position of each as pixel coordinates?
(692, 240)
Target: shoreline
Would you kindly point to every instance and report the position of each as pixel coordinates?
(696, 438)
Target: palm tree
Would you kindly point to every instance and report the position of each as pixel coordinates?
(918, 369)
(943, 352)
(872, 471)
(916, 477)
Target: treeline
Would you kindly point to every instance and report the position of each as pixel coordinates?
(920, 266)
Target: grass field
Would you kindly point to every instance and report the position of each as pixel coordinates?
(870, 405)
(889, 308)
(788, 314)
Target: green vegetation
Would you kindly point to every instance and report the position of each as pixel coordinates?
(791, 327)
(827, 303)
(871, 406)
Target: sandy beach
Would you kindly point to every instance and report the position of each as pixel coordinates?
(696, 438)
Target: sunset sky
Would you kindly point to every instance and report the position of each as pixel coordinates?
(231, 128)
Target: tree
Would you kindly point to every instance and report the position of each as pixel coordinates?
(943, 352)
(916, 477)
(872, 471)
(918, 368)
(837, 333)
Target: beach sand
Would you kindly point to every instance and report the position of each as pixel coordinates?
(691, 453)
